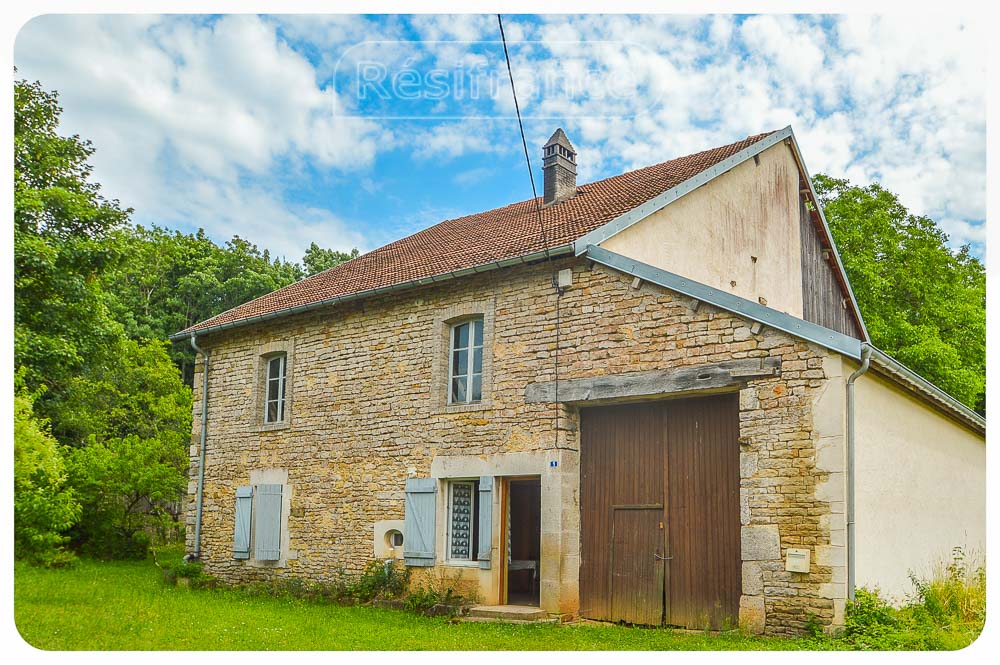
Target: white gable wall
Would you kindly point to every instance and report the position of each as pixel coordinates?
(712, 233)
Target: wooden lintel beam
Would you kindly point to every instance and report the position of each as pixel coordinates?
(650, 384)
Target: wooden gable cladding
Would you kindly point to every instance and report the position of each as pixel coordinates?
(660, 516)
(823, 299)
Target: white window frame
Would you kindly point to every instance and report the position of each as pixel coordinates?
(472, 559)
(470, 373)
(282, 360)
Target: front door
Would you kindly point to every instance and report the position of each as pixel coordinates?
(660, 521)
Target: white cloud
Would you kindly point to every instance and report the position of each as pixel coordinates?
(211, 107)
(230, 108)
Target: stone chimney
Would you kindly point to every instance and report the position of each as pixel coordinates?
(559, 167)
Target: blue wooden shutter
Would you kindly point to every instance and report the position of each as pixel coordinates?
(244, 508)
(267, 525)
(418, 526)
(485, 520)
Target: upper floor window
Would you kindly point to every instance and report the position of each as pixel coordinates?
(465, 363)
(274, 399)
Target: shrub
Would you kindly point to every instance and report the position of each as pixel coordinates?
(946, 611)
(44, 506)
(380, 580)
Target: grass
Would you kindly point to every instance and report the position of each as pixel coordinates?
(97, 605)
(125, 606)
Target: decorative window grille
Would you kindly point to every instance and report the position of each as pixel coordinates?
(463, 520)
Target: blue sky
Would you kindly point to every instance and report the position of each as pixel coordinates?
(357, 130)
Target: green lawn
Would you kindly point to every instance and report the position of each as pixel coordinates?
(109, 606)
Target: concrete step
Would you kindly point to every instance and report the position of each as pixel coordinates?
(508, 613)
(532, 622)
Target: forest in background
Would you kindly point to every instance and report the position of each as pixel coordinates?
(102, 410)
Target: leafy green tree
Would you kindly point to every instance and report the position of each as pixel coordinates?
(44, 505)
(169, 281)
(127, 487)
(61, 223)
(134, 418)
(119, 404)
(317, 259)
(923, 303)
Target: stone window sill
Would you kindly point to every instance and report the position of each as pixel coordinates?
(483, 405)
(271, 427)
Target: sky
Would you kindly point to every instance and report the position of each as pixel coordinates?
(353, 131)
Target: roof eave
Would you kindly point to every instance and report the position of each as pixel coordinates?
(813, 332)
(900, 373)
(326, 302)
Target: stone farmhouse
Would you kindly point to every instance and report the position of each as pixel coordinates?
(650, 399)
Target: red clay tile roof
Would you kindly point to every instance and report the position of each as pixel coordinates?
(484, 238)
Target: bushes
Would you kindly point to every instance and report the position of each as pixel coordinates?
(946, 611)
(380, 581)
(44, 506)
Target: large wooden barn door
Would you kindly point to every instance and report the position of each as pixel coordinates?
(660, 512)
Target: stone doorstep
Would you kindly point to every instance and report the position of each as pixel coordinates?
(521, 613)
(527, 622)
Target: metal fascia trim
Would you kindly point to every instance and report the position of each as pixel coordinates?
(640, 212)
(421, 281)
(903, 374)
(825, 337)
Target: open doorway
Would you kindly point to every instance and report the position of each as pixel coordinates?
(524, 540)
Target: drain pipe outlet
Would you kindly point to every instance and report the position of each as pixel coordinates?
(196, 554)
(866, 356)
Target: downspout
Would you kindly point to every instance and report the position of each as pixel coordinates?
(866, 356)
(196, 554)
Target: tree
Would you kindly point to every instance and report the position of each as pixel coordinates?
(115, 407)
(317, 259)
(169, 281)
(126, 487)
(61, 222)
(923, 303)
(44, 506)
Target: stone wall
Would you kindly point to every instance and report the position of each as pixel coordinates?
(366, 412)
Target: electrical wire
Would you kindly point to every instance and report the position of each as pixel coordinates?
(541, 226)
(524, 142)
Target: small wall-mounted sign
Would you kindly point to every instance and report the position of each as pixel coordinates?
(553, 463)
(797, 560)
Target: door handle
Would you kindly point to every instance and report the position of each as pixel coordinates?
(661, 558)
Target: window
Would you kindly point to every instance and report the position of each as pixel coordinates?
(274, 399)
(465, 368)
(463, 520)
